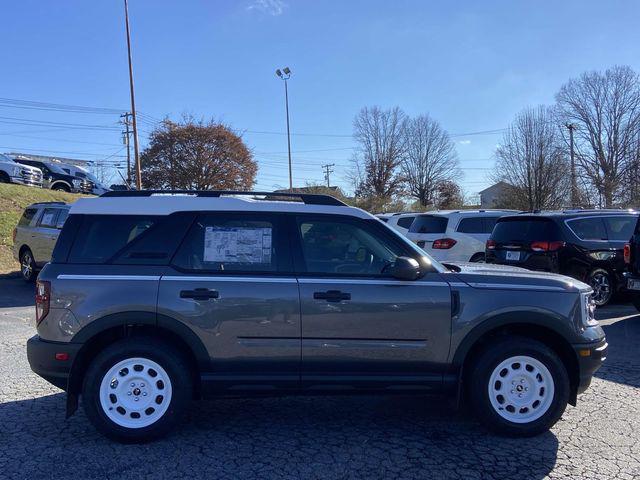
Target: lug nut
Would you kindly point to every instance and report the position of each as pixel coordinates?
(129, 393)
(133, 384)
(136, 399)
(144, 394)
(142, 385)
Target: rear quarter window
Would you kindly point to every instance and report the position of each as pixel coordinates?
(27, 216)
(429, 224)
(592, 228)
(471, 225)
(525, 230)
(621, 228)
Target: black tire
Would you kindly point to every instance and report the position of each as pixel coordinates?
(168, 358)
(603, 286)
(61, 187)
(28, 266)
(478, 258)
(636, 302)
(489, 359)
(4, 178)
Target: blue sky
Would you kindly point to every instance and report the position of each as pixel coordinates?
(471, 65)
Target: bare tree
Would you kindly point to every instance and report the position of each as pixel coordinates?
(605, 107)
(379, 134)
(429, 158)
(531, 159)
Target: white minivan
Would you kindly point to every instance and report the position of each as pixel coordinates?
(455, 235)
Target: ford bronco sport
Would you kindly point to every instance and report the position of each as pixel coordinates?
(152, 299)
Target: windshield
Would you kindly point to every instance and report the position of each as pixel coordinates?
(55, 168)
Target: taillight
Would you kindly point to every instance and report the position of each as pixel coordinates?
(43, 297)
(546, 246)
(627, 253)
(443, 243)
(15, 232)
(491, 244)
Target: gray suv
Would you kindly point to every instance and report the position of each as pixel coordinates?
(36, 234)
(153, 299)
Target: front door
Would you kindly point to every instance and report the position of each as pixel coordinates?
(360, 326)
(231, 283)
(45, 234)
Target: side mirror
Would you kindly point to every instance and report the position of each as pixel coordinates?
(405, 268)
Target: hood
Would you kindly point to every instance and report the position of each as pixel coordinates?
(505, 277)
(27, 167)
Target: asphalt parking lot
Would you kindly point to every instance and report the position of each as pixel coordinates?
(319, 437)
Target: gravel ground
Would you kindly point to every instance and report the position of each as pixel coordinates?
(319, 437)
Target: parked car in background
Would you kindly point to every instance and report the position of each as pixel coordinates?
(12, 172)
(152, 299)
(57, 179)
(455, 235)
(632, 260)
(398, 221)
(97, 187)
(585, 245)
(36, 234)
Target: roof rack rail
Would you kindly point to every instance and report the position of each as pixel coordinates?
(49, 203)
(307, 198)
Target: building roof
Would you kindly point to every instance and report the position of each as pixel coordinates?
(495, 186)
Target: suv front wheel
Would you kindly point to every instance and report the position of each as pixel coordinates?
(518, 387)
(136, 389)
(602, 283)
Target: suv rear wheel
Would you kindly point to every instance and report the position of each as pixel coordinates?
(602, 283)
(518, 387)
(136, 389)
(27, 266)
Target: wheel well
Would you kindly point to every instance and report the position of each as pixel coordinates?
(61, 183)
(109, 336)
(477, 255)
(4, 175)
(23, 248)
(536, 332)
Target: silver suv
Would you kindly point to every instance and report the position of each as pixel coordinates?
(153, 299)
(35, 236)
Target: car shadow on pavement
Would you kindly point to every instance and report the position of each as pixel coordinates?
(304, 437)
(15, 292)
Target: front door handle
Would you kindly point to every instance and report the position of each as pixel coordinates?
(200, 294)
(332, 296)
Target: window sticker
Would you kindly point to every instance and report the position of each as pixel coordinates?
(47, 218)
(237, 245)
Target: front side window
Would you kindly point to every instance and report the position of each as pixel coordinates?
(62, 217)
(588, 228)
(230, 243)
(332, 247)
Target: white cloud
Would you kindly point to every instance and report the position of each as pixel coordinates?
(464, 142)
(270, 7)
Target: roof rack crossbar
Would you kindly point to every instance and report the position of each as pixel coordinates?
(307, 198)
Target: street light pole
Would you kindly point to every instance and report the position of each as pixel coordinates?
(134, 123)
(285, 74)
(574, 185)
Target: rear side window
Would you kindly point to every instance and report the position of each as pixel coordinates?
(233, 243)
(405, 222)
(429, 224)
(100, 237)
(49, 218)
(27, 216)
(620, 228)
(588, 228)
(525, 230)
(471, 225)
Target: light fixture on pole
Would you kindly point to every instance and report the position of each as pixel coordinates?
(285, 74)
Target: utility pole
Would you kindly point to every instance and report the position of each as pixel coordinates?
(574, 185)
(285, 74)
(327, 171)
(125, 139)
(133, 102)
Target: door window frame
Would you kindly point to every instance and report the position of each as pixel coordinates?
(55, 218)
(375, 228)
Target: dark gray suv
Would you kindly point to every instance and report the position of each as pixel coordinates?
(153, 299)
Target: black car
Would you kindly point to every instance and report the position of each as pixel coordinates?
(585, 245)
(632, 259)
(57, 179)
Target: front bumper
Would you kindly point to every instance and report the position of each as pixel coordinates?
(28, 181)
(590, 357)
(42, 360)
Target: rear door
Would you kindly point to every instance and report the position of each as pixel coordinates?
(231, 283)
(360, 326)
(44, 235)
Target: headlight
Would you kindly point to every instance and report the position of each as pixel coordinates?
(76, 182)
(602, 255)
(588, 310)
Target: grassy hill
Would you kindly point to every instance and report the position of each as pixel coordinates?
(13, 200)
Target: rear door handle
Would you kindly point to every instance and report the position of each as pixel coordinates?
(332, 296)
(200, 294)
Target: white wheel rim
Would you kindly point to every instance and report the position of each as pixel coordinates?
(135, 393)
(27, 270)
(521, 389)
